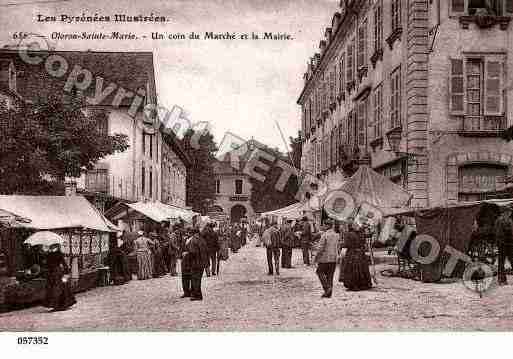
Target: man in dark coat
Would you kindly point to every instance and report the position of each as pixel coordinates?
(287, 243)
(193, 265)
(306, 240)
(271, 239)
(212, 240)
(504, 237)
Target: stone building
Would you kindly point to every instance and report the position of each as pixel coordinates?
(119, 84)
(420, 90)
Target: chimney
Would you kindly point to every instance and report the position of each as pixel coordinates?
(327, 35)
(70, 188)
(8, 75)
(322, 47)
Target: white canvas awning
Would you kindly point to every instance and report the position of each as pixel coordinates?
(158, 211)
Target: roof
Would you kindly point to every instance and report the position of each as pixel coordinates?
(366, 185)
(55, 212)
(405, 211)
(159, 212)
(176, 145)
(129, 70)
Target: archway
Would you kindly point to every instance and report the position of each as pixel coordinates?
(237, 212)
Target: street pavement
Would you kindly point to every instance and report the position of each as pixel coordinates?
(245, 298)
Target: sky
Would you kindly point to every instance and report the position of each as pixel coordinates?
(241, 86)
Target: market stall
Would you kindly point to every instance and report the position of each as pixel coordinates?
(84, 230)
(468, 227)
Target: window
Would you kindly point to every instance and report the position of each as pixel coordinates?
(143, 181)
(396, 14)
(151, 146)
(378, 26)
(144, 144)
(97, 180)
(238, 186)
(350, 63)
(342, 87)
(477, 180)
(318, 161)
(395, 98)
(490, 7)
(151, 183)
(218, 186)
(376, 127)
(157, 147)
(476, 92)
(361, 124)
(332, 86)
(103, 125)
(362, 45)
(334, 146)
(351, 129)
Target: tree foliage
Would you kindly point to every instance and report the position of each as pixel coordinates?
(264, 195)
(200, 176)
(42, 143)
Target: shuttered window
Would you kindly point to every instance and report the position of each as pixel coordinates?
(396, 14)
(336, 145)
(457, 87)
(332, 86)
(376, 127)
(362, 45)
(350, 62)
(457, 6)
(493, 89)
(362, 122)
(378, 25)
(341, 73)
(476, 92)
(469, 7)
(395, 98)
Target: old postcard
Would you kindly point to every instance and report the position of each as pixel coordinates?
(255, 165)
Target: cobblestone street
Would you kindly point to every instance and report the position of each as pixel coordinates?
(245, 298)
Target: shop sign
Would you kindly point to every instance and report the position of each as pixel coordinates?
(481, 179)
(239, 198)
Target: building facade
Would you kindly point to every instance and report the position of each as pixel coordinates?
(120, 86)
(419, 90)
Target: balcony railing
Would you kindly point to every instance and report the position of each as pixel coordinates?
(482, 126)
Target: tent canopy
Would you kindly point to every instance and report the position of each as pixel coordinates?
(158, 211)
(294, 211)
(366, 185)
(55, 212)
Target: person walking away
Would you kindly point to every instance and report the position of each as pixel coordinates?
(243, 233)
(211, 239)
(287, 243)
(164, 234)
(59, 295)
(235, 238)
(271, 239)
(504, 237)
(306, 239)
(158, 263)
(174, 250)
(143, 252)
(196, 261)
(356, 266)
(224, 251)
(326, 258)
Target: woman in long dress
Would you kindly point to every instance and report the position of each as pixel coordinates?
(59, 295)
(356, 266)
(144, 262)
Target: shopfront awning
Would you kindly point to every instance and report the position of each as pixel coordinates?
(159, 212)
(54, 212)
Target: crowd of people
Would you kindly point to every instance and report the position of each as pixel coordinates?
(333, 243)
(158, 252)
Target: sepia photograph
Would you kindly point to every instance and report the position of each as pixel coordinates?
(255, 166)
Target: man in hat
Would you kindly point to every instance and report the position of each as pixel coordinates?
(504, 237)
(306, 240)
(326, 257)
(271, 239)
(287, 243)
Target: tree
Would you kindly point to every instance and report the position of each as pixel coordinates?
(200, 193)
(42, 143)
(264, 195)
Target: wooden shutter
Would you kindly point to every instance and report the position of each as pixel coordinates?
(457, 87)
(508, 7)
(350, 61)
(336, 145)
(493, 104)
(457, 7)
(342, 84)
